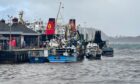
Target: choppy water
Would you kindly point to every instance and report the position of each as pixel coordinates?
(123, 68)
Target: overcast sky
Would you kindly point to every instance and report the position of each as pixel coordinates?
(114, 17)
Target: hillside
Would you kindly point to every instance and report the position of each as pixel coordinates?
(91, 33)
(126, 39)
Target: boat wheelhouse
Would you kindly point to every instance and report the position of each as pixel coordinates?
(38, 55)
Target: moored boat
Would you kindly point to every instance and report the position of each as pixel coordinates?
(38, 55)
(62, 55)
(107, 51)
(93, 51)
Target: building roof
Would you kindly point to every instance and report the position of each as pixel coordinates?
(16, 28)
(3, 38)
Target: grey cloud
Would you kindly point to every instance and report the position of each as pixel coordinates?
(114, 17)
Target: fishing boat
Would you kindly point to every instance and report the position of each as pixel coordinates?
(65, 44)
(65, 51)
(107, 50)
(63, 55)
(93, 51)
(104, 45)
(38, 55)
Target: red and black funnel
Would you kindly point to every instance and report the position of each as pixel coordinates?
(72, 23)
(50, 29)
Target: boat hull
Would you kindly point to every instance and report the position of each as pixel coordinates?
(108, 52)
(62, 59)
(94, 57)
(38, 59)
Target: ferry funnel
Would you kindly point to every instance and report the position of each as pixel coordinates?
(50, 29)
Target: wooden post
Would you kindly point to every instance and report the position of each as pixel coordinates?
(38, 41)
(21, 41)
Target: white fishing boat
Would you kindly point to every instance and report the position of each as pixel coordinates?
(93, 51)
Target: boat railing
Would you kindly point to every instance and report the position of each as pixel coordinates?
(58, 52)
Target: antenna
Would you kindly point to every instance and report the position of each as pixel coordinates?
(21, 13)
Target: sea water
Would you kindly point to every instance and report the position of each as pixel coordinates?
(123, 68)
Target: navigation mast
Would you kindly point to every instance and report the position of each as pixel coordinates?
(57, 17)
(58, 12)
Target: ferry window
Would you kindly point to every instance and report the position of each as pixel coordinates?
(41, 53)
(35, 54)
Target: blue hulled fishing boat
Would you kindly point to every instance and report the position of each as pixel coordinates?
(63, 55)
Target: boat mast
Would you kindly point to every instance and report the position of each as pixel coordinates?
(56, 29)
(58, 12)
